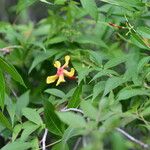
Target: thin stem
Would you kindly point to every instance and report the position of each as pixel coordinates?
(43, 141)
(77, 143)
(49, 145)
(53, 143)
(72, 109)
(132, 138)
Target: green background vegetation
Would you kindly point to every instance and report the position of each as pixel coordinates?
(109, 45)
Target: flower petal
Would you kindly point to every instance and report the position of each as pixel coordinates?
(69, 73)
(60, 79)
(67, 58)
(51, 79)
(57, 64)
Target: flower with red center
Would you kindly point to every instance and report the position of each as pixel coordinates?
(61, 72)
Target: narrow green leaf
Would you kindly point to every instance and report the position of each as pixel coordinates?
(98, 88)
(41, 57)
(52, 121)
(128, 93)
(72, 119)
(75, 100)
(68, 134)
(2, 90)
(57, 39)
(144, 31)
(24, 4)
(11, 108)
(89, 110)
(89, 39)
(82, 73)
(142, 62)
(11, 70)
(22, 102)
(145, 112)
(58, 146)
(105, 72)
(29, 128)
(4, 121)
(32, 115)
(115, 61)
(17, 145)
(60, 2)
(16, 131)
(56, 92)
(129, 5)
(91, 8)
(131, 67)
(112, 83)
(138, 41)
(118, 141)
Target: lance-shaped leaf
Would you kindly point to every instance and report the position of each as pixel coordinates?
(52, 121)
(10, 69)
(2, 90)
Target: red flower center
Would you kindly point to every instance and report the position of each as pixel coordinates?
(60, 71)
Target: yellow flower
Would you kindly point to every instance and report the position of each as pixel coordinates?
(61, 72)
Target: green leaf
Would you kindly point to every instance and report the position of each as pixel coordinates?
(68, 134)
(56, 40)
(75, 100)
(131, 67)
(89, 110)
(112, 83)
(96, 57)
(91, 8)
(16, 131)
(35, 143)
(29, 128)
(17, 145)
(11, 70)
(58, 146)
(24, 4)
(118, 141)
(22, 102)
(115, 61)
(145, 112)
(11, 108)
(89, 39)
(137, 40)
(2, 90)
(82, 73)
(105, 72)
(52, 121)
(41, 57)
(144, 31)
(128, 93)
(32, 115)
(56, 92)
(72, 119)
(129, 5)
(98, 88)
(142, 62)
(4, 121)
(60, 2)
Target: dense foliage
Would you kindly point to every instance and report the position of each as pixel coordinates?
(98, 107)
